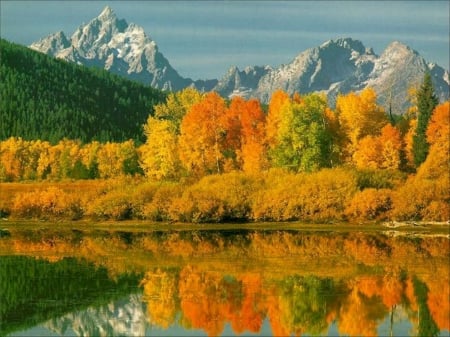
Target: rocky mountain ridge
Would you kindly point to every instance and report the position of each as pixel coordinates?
(336, 66)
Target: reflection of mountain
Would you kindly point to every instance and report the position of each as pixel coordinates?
(125, 317)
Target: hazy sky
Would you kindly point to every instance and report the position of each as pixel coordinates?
(201, 39)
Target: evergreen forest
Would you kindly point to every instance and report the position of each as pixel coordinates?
(50, 99)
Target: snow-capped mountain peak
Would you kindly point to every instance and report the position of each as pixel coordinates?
(122, 48)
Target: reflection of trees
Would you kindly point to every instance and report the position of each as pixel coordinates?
(161, 295)
(304, 303)
(426, 324)
(359, 315)
(208, 299)
(294, 305)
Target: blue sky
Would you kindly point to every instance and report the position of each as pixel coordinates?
(201, 39)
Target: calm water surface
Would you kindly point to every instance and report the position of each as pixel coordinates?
(210, 283)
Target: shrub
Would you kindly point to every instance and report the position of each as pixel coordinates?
(115, 204)
(318, 196)
(370, 204)
(216, 198)
(422, 199)
(157, 209)
(52, 202)
(379, 179)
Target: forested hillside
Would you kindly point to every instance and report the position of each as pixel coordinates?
(48, 99)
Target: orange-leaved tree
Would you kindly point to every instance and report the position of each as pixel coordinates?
(203, 136)
(245, 134)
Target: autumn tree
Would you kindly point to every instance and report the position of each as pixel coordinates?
(115, 159)
(302, 140)
(426, 102)
(159, 155)
(437, 163)
(177, 105)
(359, 116)
(203, 136)
(277, 101)
(380, 152)
(245, 137)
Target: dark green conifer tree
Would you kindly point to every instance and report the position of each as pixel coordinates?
(426, 102)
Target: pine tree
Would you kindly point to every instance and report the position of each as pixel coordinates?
(426, 102)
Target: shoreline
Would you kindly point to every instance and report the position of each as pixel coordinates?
(406, 227)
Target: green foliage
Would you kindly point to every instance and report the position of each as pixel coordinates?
(379, 178)
(305, 301)
(303, 141)
(49, 99)
(427, 326)
(426, 102)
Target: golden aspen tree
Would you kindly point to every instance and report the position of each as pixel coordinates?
(277, 101)
(244, 124)
(11, 158)
(159, 155)
(359, 116)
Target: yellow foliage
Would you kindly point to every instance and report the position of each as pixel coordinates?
(318, 196)
(52, 202)
(215, 198)
(359, 116)
(370, 204)
(159, 155)
(160, 290)
(422, 199)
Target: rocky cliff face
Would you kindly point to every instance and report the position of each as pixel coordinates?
(337, 66)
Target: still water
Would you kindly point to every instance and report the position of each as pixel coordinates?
(223, 283)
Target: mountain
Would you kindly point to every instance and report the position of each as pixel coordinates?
(49, 99)
(340, 66)
(124, 49)
(336, 66)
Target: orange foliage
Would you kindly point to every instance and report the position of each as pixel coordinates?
(438, 130)
(160, 290)
(202, 138)
(359, 315)
(438, 299)
(370, 204)
(380, 152)
(202, 300)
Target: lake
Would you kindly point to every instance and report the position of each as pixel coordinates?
(207, 282)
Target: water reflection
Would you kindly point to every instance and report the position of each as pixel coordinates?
(210, 283)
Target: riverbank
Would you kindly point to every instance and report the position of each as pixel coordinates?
(407, 227)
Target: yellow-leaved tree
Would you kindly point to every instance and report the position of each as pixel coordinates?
(359, 116)
(159, 155)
